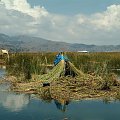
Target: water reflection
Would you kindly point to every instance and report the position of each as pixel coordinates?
(2, 67)
(2, 73)
(9, 100)
(14, 102)
(4, 86)
(60, 101)
(61, 104)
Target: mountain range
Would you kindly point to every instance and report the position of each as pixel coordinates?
(24, 43)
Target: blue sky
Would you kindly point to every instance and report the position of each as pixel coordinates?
(73, 21)
(71, 7)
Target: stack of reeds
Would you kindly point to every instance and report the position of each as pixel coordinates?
(58, 71)
(54, 74)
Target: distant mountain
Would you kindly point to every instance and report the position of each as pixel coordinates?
(24, 43)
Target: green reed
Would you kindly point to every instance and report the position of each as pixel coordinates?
(27, 64)
(93, 62)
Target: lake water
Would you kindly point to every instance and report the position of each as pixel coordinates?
(14, 106)
(2, 72)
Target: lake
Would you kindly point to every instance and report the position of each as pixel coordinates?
(14, 106)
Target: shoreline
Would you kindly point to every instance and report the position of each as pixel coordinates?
(65, 89)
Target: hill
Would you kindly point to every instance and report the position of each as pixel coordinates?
(23, 43)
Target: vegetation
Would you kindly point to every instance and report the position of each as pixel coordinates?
(3, 59)
(92, 63)
(95, 77)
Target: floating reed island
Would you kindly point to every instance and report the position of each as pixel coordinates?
(64, 81)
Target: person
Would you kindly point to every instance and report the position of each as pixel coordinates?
(58, 58)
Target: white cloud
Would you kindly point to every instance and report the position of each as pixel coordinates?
(109, 19)
(24, 7)
(18, 17)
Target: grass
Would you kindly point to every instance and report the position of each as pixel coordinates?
(91, 62)
(27, 64)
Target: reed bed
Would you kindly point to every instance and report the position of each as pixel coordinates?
(27, 64)
(94, 77)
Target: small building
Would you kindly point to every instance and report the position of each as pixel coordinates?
(84, 51)
(4, 51)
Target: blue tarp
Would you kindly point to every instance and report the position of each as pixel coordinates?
(60, 57)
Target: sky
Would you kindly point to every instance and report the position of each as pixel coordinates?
(74, 21)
